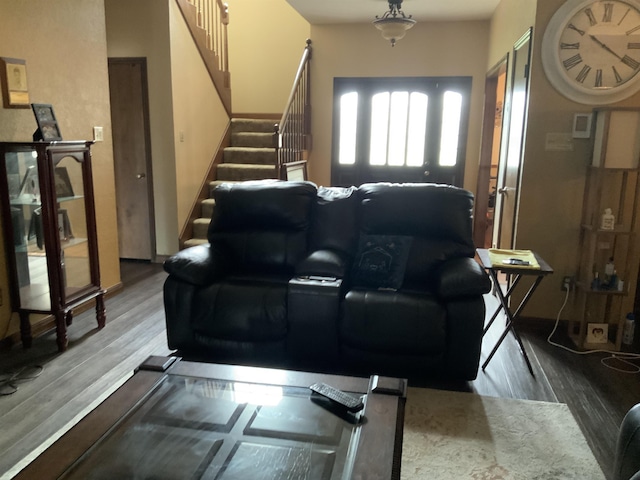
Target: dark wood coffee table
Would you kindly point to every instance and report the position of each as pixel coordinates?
(175, 419)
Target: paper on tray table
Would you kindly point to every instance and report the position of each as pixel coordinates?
(498, 255)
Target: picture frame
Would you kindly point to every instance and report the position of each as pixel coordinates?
(13, 79)
(48, 129)
(296, 171)
(63, 182)
(597, 333)
(30, 183)
(64, 225)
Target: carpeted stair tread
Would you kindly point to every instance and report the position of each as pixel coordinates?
(238, 171)
(252, 125)
(252, 139)
(259, 156)
(206, 207)
(200, 227)
(192, 242)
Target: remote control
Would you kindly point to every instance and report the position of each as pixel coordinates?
(349, 402)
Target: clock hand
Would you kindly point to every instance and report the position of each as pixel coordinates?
(593, 37)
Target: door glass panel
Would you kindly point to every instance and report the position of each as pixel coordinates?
(451, 112)
(72, 226)
(379, 128)
(398, 128)
(348, 125)
(418, 104)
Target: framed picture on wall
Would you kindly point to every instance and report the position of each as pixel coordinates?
(48, 129)
(13, 78)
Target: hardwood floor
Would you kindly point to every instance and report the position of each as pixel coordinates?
(97, 362)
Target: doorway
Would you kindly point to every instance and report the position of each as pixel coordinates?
(132, 157)
(487, 186)
(512, 145)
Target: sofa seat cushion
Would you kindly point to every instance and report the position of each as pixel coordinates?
(393, 322)
(246, 312)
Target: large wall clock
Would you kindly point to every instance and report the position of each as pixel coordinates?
(591, 50)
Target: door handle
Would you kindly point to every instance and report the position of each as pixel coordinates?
(427, 173)
(504, 190)
(141, 175)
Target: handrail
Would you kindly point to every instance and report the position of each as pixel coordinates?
(292, 136)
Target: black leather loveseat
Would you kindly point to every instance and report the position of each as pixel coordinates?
(377, 279)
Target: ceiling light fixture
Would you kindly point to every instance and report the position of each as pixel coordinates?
(394, 23)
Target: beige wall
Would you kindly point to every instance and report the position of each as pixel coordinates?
(553, 182)
(266, 41)
(64, 45)
(429, 49)
(199, 118)
(511, 19)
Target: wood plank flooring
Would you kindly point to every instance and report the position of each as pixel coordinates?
(97, 362)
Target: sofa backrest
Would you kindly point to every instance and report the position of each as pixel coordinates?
(436, 218)
(263, 225)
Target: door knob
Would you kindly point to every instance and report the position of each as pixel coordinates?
(427, 173)
(141, 175)
(504, 190)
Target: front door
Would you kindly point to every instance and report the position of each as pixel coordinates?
(512, 150)
(132, 160)
(400, 129)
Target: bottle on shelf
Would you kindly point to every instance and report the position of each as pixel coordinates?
(608, 220)
(629, 329)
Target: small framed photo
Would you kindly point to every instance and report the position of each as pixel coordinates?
(296, 171)
(30, 184)
(13, 77)
(597, 332)
(63, 182)
(48, 129)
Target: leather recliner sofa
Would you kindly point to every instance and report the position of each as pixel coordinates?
(378, 279)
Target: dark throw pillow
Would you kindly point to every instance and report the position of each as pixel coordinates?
(380, 261)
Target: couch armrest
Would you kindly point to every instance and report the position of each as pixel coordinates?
(199, 265)
(627, 459)
(324, 263)
(461, 277)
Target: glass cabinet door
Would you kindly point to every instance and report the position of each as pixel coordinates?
(28, 235)
(72, 226)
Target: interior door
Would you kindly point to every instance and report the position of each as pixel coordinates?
(512, 150)
(131, 152)
(487, 186)
(410, 129)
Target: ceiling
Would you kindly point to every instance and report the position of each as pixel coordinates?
(359, 11)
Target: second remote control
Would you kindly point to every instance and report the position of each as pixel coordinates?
(349, 402)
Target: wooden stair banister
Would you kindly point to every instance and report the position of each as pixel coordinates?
(207, 21)
(292, 136)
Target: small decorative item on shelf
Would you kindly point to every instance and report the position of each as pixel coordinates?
(629, 329)
(608, 220)
(609, 271)
(595, 283)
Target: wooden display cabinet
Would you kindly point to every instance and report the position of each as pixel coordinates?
(612, 183)
(50, 232)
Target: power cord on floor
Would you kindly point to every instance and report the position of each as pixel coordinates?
(623, 357)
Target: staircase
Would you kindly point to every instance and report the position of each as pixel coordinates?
(251, 156)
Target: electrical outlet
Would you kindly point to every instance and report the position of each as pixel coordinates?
(567, 283)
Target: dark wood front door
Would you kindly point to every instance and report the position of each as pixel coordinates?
(132, 157)
(410, 129)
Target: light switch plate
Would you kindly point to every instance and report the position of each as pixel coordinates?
(98, 135)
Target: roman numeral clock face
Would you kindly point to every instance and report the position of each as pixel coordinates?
(591, 50)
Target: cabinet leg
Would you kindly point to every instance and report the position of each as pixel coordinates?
(61, 331)
(101, 315)
(25, 330)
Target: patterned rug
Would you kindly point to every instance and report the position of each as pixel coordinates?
(459, 436)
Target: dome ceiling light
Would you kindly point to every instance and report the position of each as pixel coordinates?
(394, 23)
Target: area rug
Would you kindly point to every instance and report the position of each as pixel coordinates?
(458, 436)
